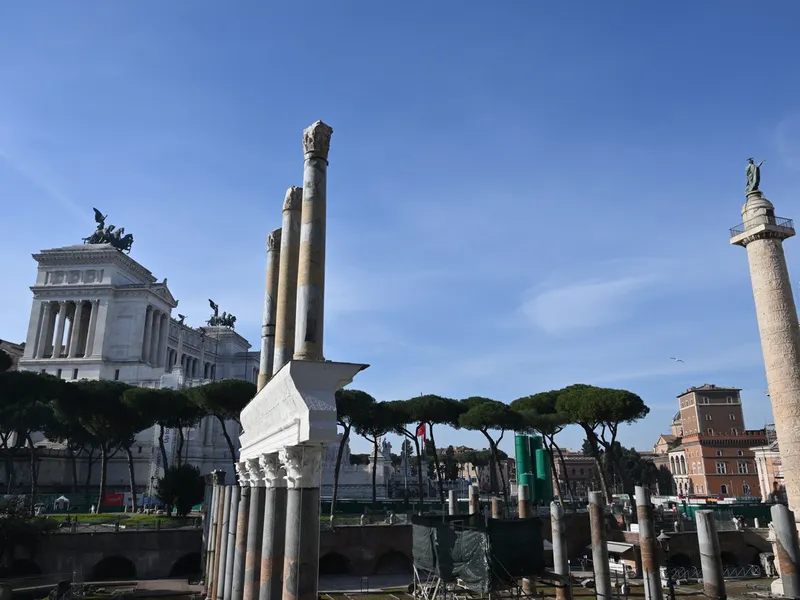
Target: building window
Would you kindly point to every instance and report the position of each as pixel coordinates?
(732, 417)
(58, 373)
(719, 452)
(699, 467)
(730, 400)
(705, 401)
(694, 468)
(734, 431)
(723, 489)
(140, 450)
(581, 471)
(710, 431)
(722, 468)
(708, 417)
(44, 371)
(740, 453)
(116, 375)
(74, 373)
(743, 467)
(573, 470)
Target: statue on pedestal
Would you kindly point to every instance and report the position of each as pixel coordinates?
(753, 172)
(109, 234)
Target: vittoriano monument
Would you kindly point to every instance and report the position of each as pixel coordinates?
(223, 320)
(109, 234)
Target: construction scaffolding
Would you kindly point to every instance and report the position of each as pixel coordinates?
(452, 553)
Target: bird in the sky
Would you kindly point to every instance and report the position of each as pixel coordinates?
(677, 360)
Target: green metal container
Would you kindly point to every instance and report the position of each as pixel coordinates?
(544, 478)
(523, 458)
(534, 444)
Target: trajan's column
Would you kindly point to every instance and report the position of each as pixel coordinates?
(762, 233)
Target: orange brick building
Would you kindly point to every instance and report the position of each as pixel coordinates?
(714, 456)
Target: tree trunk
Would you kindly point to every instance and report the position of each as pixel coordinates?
(228, 439)
(594, 451)
(566, 474)
(419, 471)
(374, 471)
(179, 459)
(436, 464)
(9, 462)
(554, 473)
(103, 469)
(163, 448)
(492, 464)
(74, 461)
(90, 460)
(132, 476)
(32, 456)
(338, 467)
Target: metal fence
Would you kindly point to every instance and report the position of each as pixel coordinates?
(120, 526)
(728, 572)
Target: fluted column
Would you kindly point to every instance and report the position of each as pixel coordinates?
(62, 321)
(270, 309)
(274, 532)
(255, 526)
(76, 329)
(303, 466)
(43, 329)
(230, 552)
(148, 332)
(155, 337)
(94, 307)
(311, 264)
(287, 279)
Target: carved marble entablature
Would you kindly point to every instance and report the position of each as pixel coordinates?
(73, 277)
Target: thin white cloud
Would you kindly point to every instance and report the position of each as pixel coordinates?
(584, 305)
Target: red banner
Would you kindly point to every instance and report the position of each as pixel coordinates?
(114, 500)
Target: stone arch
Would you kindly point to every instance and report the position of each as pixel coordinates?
(114, 568)
(24, 567)
(729, 559)
(680, 560)
(334, 563)
(186, 566)
(392, 562)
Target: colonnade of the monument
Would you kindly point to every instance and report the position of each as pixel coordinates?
(76, 318)
(154, 340)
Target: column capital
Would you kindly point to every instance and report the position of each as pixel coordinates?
(242, 474)
(303, 465)
(293, 199)
(218, 477)
(274, 240)
(255, 471)
(317, 140)
(274, 474)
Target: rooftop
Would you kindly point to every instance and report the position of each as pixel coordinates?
(709, 387)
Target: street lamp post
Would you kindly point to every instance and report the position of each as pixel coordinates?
(663, 541)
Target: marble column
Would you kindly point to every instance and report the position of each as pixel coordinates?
(43, 341)
(270, 309)
(255, 526)
(148, 332)
(164, 339)
(303, 466)
(210, 506)
(240, 549)
(230, 550)
(202, 360)
(222, 543)
(62, 321)
(77, 325)
(213, 514)
(155, 337)
(274, 532)
(70, 327)
(285, 311)
(309, 322)
(95, 306)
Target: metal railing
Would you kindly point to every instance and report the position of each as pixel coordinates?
(120, 526)
(728, 572)
(762, 220)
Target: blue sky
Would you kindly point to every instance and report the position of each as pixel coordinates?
(522, 195)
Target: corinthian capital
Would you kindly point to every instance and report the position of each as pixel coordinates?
(274, 239)
(242, 474)
(317, 140)
(303, 466)
(294, 198)
(273, 473)
(256, 472)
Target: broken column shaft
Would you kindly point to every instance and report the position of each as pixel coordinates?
(597, 522)
(285, 311)
(270, 309)
(710, 557)
(648, 546)
(786, 549)
(309, 322)
(560, 556)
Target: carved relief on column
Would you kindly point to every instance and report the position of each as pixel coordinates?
(77, 319)
(303, 466)
(90, 341)
(273, 473)
(256, 472)
(148, 332)
(58, 342)
(43, 329)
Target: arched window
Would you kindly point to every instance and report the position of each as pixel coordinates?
(723, 489)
